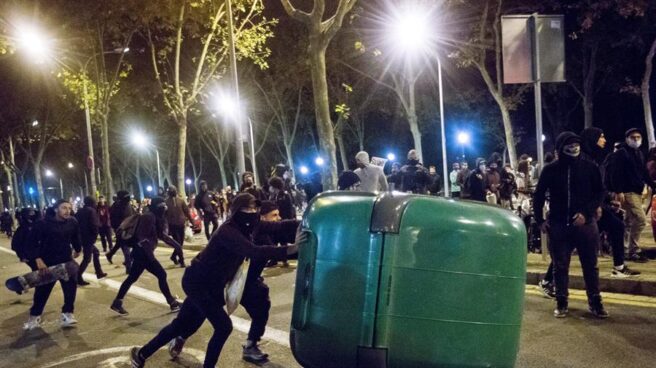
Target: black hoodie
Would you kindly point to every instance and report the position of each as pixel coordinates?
(627, 171)
(589, 147)
(574, 186)
(51, 240)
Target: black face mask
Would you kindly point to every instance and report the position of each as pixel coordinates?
(413, 162)
(247, 221)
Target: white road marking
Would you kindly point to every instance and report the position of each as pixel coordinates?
(279, 337)
(111, 362)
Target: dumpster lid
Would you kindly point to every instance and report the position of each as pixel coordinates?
(388, 210)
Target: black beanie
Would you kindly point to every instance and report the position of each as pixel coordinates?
(243, 200)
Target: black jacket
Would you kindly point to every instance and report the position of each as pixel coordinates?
(87, 218)
(20, 242)
(627, 171)
(414, 178)
(119, 211)
(270, 235)
(574, 186)
(204, 203)
(217, 264)
(285, 205)
(476, 186)
(151, 228)
(51, 240)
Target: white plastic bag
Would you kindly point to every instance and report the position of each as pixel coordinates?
(189, 234)
(235, 287)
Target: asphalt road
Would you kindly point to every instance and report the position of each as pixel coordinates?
(102, 338)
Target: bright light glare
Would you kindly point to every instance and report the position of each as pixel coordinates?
(188, 181)
(410, 30)
(77, 199)
(319, 161)
(149, 188)
(34, 42)
(463, 138)
(391, 156)
(49, 172)
(53, 201)
(139, 139)
(35, 123)
(543, 138)
(226, 104)
(70, 165)
(304, 170)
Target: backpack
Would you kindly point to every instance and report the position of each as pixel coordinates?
(128, 229)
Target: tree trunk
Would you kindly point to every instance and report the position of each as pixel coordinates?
(646, 102)
(182, 146)
(317, 54)
(14, 178)
(107, 171)
(139, 184)
(39, 183)
(589, 87)
(413, 121)
(339, 135)
(14, 188)
(290, 159)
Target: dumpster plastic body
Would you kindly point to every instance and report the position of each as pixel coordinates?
(396, 280)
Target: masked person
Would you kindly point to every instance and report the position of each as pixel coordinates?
(150, 227)
(248, 186)
(281, 198)
(89, 223)
(476, 182)
(206, 205)
(205, 279)
(575, 197)
(177, 212)
(414, 175)
(20, 243)
(121, 209)
(105, 230)
(54, 240)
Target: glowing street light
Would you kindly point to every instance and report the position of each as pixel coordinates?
(49, 173)
(304, 170)
(149, 188)
(319, 161)
(188, 181)
(35, 123)
(230, 106)
(463, 139)
(391, 156)
(70, 165)
(141, 141)
(34, 43)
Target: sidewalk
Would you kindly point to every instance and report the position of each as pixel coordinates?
(645, 284)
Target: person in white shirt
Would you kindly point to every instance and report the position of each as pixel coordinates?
(372, 177)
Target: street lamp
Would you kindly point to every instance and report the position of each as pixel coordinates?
(188, 182)
(319, 161)
(49, 173)
(141, 141)
(410, 32)
(34, 42)
(304, 170)
(70, 165)
(35, 123)
(463, 139)
(149, 188)
(391, 157)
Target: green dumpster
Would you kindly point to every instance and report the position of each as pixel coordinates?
(397, 280)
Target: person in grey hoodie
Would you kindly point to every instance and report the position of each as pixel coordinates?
(372, 177)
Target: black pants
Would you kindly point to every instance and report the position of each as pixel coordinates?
(206, 222)
(105, 233)
(199, 306)
(89, 252)
(126, 252)
(613, 225)
(142, 262)
(42, 293)
(585, 239)
(177, 232)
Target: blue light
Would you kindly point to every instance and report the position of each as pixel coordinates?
(319, 161)
(30, 190)
(391, 156)
(304, 170)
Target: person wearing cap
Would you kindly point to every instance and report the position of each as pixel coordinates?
(372, 177)
(575, 197)
(476, 183)
(150, 227)
(626, 176)
(120, 210)
(89, 223)
(414, 176)
(177, 212)
(54, 240)
(205, 279)
(206, 204)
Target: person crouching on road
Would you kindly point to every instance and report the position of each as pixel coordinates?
(205, 279)
(151, 226)
(50, 241)
(576, 194)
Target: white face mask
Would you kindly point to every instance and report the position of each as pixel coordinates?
(634, 143)
(572, 150)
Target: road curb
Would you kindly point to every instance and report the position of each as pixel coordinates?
(632, 286)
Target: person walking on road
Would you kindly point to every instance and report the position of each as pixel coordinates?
(20, 243)
(205, 279)
(177, 212)
(150, 227)
(105, 230)
(87, 218)
(121, 209)
(372, 177)
(206, 203)
(575, 197)
(51, 241)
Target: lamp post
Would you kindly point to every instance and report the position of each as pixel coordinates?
(141, 141)
(241, 159)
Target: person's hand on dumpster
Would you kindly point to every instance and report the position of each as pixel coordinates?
(301, 237)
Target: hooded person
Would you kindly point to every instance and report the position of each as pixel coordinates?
(372, 177)
(205, 280)
(27, 218)
(206, 203)
(348, 180)
(89, 223)
(476, 183)
(248, 186)
(575, 196)
(282, 198)
(150, 227)
(177, 213)
(593, 143)
(119, 211)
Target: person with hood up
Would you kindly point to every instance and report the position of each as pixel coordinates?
(372, 177)
(20, 243)
(282, 198)
(575, 197)
(206, 204)
(248, 186)
(348, 180)
(177, 212)
(205, 280)
(477, 182)
(493, 176)
(87, 218)
(120, 210)
(627, 175)
(54, 240)
(508, 187)
(105, 230)
(150, 227)
(414, 176)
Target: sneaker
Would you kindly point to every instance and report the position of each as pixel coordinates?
(174, 259)
(599, 312)
(136, 359)
(67, 320)
(101, 275)
(81, 282)
(32, 323)
(637, 258)
(175, 347)
(561, 312)
(175, 305)
(253, 354)
(117, 306)
(547, 289)
(623, 273)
